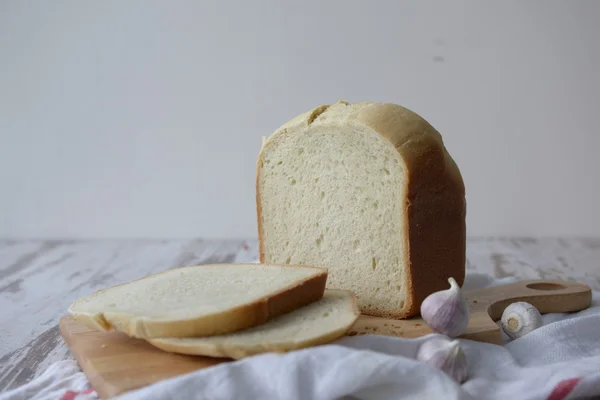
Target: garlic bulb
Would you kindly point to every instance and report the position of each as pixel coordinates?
(446, 355)
(446, 311)
(519, 319)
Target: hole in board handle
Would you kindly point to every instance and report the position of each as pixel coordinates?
(545, 286)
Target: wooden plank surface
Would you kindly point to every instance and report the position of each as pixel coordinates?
(39, 279)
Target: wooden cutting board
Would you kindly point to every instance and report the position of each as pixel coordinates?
(115, 363)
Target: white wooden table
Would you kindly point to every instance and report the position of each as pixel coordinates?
(39, 279)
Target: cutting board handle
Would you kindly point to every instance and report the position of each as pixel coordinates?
(545, 295)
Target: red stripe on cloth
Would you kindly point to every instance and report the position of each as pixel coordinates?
(563, 388)
(69, 395)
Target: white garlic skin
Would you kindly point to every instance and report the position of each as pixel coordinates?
(446, 355)
(446, 311)
(520, 318)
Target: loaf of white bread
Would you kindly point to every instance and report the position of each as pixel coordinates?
(369, 191)
(366, 190)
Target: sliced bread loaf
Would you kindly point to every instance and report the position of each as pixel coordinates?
(369, 191)
(317, 323)
(202, 300)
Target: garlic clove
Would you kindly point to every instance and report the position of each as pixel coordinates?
(445, 355)
(446, 311)
(519, 319)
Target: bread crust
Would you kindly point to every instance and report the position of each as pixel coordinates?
(435, 205)
(245, 316)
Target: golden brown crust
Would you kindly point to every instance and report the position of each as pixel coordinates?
(248, 315)
(304, 293)
(437, 234)
(435, 205)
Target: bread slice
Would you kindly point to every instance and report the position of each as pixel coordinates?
(369, 191)
(317, 323)
(202, 300)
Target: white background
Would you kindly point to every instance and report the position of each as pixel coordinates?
(144, 118)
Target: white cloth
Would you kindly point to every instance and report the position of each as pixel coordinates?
(62, 380)
(557, 361)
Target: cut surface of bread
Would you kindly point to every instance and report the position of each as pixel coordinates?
(317, 323)
(369, 191)
(201, 300)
